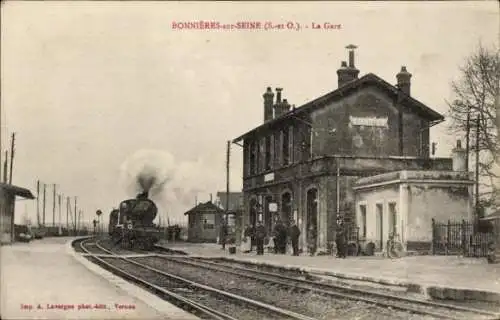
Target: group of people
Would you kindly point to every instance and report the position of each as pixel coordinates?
(280, 235)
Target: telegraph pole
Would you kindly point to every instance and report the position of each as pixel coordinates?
(467, 139)
(227, 176)
(5, 168)
(67, 214)
(75, 215)
(11, 157)
(59, 202)
(43, 220)
(477, 168)
(37, 202)
(54, 205)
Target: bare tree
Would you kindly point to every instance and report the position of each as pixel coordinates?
(476, 107)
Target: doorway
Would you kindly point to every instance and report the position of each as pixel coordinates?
(312, 211)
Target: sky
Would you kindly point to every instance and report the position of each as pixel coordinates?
(90, 87)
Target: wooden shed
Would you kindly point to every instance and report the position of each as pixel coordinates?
(204, 222)
(8, 195)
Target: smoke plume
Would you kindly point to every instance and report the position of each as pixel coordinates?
(173, 186)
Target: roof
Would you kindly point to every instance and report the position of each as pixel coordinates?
(206, 207)
(339, 93)
(493, 216)
(235, 200)
(18, 191)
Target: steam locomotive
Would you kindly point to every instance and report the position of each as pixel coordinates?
(131, 225)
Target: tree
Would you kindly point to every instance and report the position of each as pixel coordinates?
(476, 97)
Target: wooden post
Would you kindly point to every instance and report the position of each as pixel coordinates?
(75, 216)
(54, 205)
(43, 209)
(11, 157)
(463, 238)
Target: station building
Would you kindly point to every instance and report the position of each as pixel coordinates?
(304, 163)
(8, 195)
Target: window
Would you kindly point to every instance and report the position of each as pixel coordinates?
(290, 144)
(268, 159)
(253, 158)
(362, 212)
(285, 147)
(208, 221)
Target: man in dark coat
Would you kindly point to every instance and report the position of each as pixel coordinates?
(223, 235)
(341, 239)
(260, 235)
(294, 234)
(279, 237)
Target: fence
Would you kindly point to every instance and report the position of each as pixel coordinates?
(458, 238)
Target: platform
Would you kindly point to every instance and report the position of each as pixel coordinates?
(46, 279)
(449, 277)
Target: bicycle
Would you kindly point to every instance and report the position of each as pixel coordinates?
(394, 246)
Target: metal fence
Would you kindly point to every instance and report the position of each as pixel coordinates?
(458, 238)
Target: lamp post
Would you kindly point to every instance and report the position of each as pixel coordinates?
(98, 213)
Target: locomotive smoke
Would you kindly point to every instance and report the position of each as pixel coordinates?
(173, 186)
(147, 171)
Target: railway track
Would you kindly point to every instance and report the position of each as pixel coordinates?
(201, 300)
(411, 305)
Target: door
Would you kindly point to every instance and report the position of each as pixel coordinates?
(380, 225)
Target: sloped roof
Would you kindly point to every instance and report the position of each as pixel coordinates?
(235, 200)
(368, 79)
(18, 191)
(205, 207)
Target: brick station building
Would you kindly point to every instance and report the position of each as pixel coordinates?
(301, 163)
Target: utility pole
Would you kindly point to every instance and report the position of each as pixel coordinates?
(477, 168)
(67, 214)
(38, 202)
(467, 139)
(43, 210)
(54, 205)
(59, 202)
(5, 168)
(227, 176)
(11, 157)
(75, 215)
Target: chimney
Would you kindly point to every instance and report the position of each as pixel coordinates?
(458, 155)
(281, 107)
(347, 73)
(268, 104)
(278, 95)
(404, 82)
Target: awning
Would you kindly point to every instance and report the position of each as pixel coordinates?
(17, 191)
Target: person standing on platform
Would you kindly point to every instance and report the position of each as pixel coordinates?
(246, 244)
(223, 234)
(260, 235)
(341, 239)
(278, 236)
(283, 238)
(294, 234)
(311, 240)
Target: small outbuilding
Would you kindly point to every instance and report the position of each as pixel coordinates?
(8, 195)
(204, 222)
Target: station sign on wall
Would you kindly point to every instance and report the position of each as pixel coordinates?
(273, 207)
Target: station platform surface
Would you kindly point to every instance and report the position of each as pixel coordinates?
(449, 277)
(46, 279)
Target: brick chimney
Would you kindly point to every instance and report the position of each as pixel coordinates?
(347, 73)
(281, 107)
(268, 104)
(404, 82)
